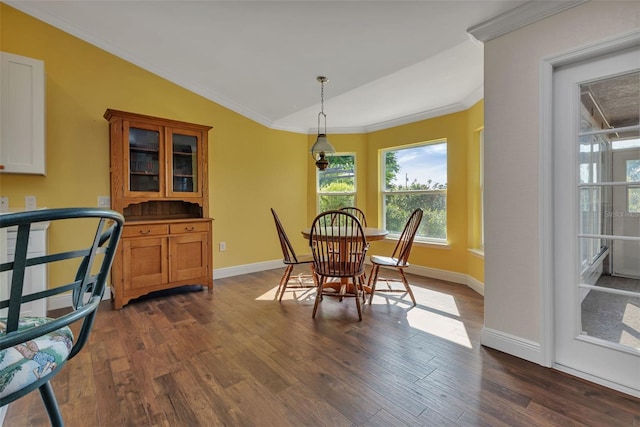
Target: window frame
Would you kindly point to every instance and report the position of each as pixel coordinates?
(354, 193)
(384, 192)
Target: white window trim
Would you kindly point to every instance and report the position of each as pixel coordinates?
(422, 241)
(331, 193)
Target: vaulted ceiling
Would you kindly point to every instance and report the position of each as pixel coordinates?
(388, 62)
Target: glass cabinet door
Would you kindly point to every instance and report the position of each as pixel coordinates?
(145, 159)
(184, 161)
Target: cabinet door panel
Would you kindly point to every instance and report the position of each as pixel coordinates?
(144, 160)
(188, 256)
(184, 177)
(22, 114)
(145, 262)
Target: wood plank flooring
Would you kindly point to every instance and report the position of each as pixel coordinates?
(236, 357)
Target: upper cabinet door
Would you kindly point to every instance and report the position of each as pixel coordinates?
(185, 154)
(158, 166)
(22, 115)
(144, 157)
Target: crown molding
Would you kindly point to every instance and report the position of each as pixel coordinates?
(519, 17)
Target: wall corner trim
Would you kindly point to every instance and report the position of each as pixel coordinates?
(519, 17)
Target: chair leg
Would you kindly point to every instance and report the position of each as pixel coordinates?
(406, 285)
(318, 297)
(284, 281)
(51, 405)
(357, 283)
(357, 298)
(373, 278)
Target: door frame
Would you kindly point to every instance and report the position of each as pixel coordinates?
(545, 195)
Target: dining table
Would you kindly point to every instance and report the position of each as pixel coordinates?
(370, 233)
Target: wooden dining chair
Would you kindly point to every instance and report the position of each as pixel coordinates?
(338, 253)
(358, 213)
(34, 349)
(291, 260)
(399, 260)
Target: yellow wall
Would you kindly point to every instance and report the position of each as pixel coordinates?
(475, 119)
(248, 163)
(251, 168)
(453, 129)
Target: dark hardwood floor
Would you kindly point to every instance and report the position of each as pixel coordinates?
(236, 357)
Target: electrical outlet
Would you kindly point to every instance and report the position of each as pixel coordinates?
(104, 201)
(4, 204)
(223, 246)
(29, 203)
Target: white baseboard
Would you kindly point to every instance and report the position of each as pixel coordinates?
(476, 285)
(449, 276)
(221, 273)
(64, 300)
(418, 270)
(585, 376)
(511, 344)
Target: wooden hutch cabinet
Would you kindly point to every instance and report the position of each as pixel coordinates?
(159, 183)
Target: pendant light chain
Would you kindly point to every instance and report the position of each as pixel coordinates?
(322, 81)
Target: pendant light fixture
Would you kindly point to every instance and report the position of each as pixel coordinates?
(322, 147)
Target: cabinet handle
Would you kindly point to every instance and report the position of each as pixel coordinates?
(189, 228)
(147, 231)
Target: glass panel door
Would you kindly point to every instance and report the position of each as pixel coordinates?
(596, 242)
(144, 160)
(184, 155)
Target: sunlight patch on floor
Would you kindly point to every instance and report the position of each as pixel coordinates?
(436, 313)
(439, 325)
(269, 295)
(631, 319)
(427, 298)
(291, 293)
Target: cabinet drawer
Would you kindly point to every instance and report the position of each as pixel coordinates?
(189, 227)
(144, 230)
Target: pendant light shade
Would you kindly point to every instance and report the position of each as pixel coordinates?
(322, 147)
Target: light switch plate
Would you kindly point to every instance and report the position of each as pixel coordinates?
(29, 203)
(104, 201)
(4, 204)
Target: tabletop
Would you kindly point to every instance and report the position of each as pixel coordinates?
(370, 233)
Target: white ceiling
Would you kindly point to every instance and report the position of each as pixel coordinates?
(388, 62)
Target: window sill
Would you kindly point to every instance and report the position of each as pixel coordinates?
(479, 253)
(432, 245)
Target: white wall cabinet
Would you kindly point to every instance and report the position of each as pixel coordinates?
(22, 114)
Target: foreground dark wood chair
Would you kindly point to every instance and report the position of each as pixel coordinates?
(338, 252)
(399, 259)
(291, 260)
(34, 349)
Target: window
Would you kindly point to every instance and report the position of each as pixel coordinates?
(633, 192)
(337, 184)
(416, 177)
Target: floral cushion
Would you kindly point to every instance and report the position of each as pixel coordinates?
(26, 363)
